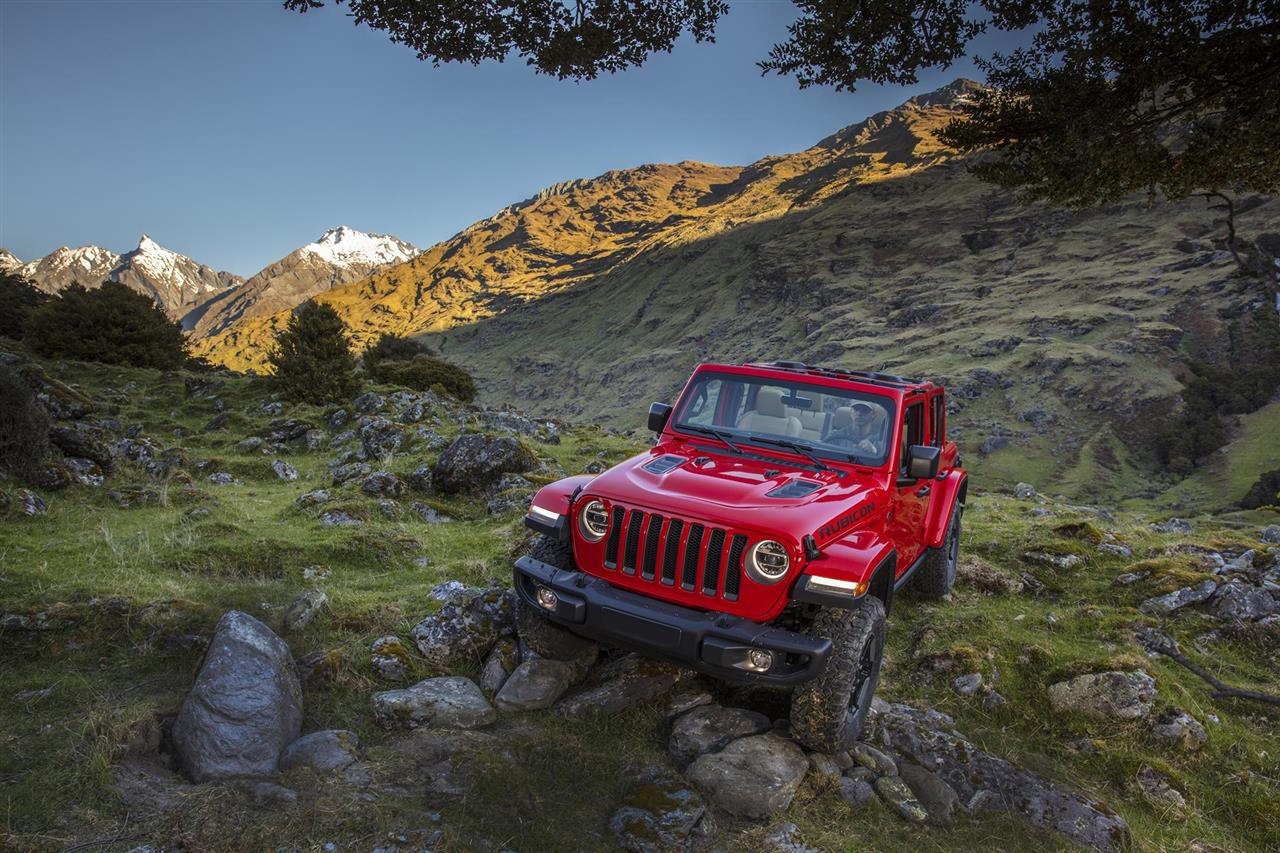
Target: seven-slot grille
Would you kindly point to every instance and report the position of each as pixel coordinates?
(671, 550)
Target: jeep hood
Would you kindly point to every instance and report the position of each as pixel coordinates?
(770, 495)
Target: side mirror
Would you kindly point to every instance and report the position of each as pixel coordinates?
(659, 414)
(922, 461)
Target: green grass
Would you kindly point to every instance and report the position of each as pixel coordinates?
(114, 668)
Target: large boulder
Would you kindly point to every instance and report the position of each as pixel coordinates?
(1163, 605)
(1241, 602)
(753, 777)
(245, 707)
(473, 462)
(325, 751)
(534, 685)
(623, 684)
(451, 702)
(1103, 695)
(466, 628)
(710, 728)
(988, 782)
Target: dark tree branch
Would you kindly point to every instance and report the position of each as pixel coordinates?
(1220, 690)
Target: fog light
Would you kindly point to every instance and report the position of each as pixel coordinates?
(759, 659)
(547, 598)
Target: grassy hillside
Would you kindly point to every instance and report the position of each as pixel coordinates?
(125, 598)
(1061, 334)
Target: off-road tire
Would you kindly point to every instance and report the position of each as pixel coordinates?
(537, 632)
(937, 573)
(828, 713)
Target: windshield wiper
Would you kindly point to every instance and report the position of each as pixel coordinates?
(802, 449)
(714, 433)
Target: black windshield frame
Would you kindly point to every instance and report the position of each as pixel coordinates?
(796, 387)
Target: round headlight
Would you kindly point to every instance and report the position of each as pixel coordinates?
(593, 521)
(769, 561)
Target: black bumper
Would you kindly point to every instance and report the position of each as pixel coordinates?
(713, 643)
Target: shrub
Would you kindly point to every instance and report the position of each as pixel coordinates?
(312, 359)
(425, 373)
(18, 298)
(390, 348)
(112, 324)
(1265, 491)
(24, 428)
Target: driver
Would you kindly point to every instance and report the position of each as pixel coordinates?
(860, 432)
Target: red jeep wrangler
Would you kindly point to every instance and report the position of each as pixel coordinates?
(761, 539)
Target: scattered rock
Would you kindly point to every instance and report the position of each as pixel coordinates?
(369, 402)
(271, 794)
(1115, 549)
(659, 816)
(824, 767)
(30, 504)
(1129, 578)
(222, 478)
(710, 728)
(1058, 561)
(339, 518)
(473, 462)
(390, 658)
(245, 707)
(629, 682)
(466, 628)
(534, 685)
(1024, 490)
(1173, 525)
(429, 514)
(349, 471)
(502, 661)
(1115, 695)
(752, 777)
(380, 438)
(1156, 790)
(1242, 602)
(856, 792)
(898, 796)
(939, 799)
(284, 470)
(967, 685)
(252, 444)
(784, 840)
(324, 751)
(303, 610)
(681, 701)
(1270, 534)
(314, 498)
(450, 701)
(977, 574)
(382, 484)
(1175, 727)
(873, 759)
(1163, 605)
(129, 498)
(86, 472)
(420, 479)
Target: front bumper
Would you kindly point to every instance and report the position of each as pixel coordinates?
(717, 644)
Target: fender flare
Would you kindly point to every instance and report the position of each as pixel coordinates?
(863, 558)
(552, 505)
(949, 492)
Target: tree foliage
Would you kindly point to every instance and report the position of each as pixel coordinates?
(18, 298)
(1109, 96)
(24, 428)
(110, 324)
(397, 360)
(312, 359)
(390, 347)
(578, 40)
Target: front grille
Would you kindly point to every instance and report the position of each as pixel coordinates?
(707, 559)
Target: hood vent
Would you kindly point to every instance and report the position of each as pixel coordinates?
(663, 464)
(794, 489)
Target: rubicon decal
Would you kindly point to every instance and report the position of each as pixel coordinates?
(845, 521)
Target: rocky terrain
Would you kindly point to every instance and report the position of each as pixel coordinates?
(234, 623)
(1064, 334)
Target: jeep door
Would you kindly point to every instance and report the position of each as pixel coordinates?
(911, 498)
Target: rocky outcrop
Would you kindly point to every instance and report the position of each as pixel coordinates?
(753, 777)
(465, 629)
(473, 462)
(446, 702)
(710, 728)
(661, 814)
(245, 707)
(1106, 695)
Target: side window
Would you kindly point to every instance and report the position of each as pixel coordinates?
(912, 432)
(938, 420)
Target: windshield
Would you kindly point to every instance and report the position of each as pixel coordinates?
(830, 422)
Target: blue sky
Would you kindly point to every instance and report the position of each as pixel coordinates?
(235, 132)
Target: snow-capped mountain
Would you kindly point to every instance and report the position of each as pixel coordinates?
(8, 261)
(341, 255)
(176, 282)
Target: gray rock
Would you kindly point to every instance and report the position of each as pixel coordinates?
(380, 438)
(899, 798)
(631, 681)
(993, 700)
(535, 684)
(1129, 578)
(30, 504)
(369, 402)
(474, 462)
(1103, 695)
(466, 628)
(420, 479)
(985, 781)
(271, 794)
(683, 700)
(1270, 534)
(382, 484)
(450, 701)
(873, 759)
(86, 472)
(1115, 549)
(339, 518)
(710, 728)
(451, 589)
(389, 509)
(753, 777)
(939, 799)
(824, 767)
(331, 749)
(252, 444)
(429, 514)
(1243, 563)
(349, 471)
(1024, 490)
(967, 685)
(304, 610)
(245, 707)
(284, 470)
(1175, 727)
(313, 498)
(502, 661)
(1173, 525)
(222, 478)
(390, 658)
(1156, 790)
(1238, 601)
(272, 409)
(1163, 605)
(338, 419)
(785, 839)
(129, 498)
(1057, 561)
(661, 815)
(856, 792)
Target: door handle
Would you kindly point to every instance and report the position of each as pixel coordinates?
(922, 491)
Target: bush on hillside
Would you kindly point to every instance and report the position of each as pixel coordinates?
(387, 348)
(425, 373)
(24, 428)
(1241, 382)
(18, 298)
(312, 359)
(112, 324)
(1265, 491)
